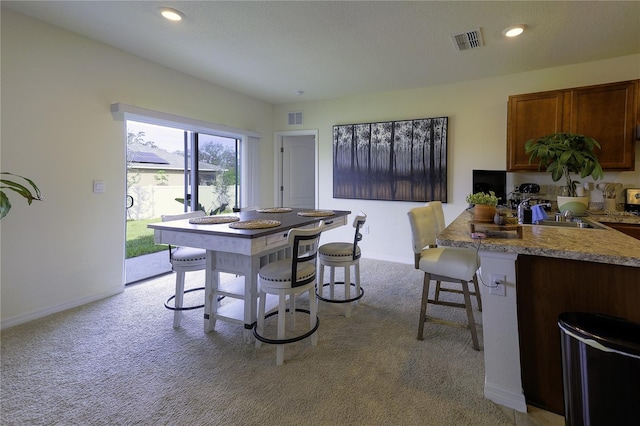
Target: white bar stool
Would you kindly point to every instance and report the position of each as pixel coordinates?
(290, 277)
(184, 259)
(342, 255)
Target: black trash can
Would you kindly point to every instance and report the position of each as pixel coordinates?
(600, 369)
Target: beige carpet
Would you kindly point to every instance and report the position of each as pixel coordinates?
(119, 361)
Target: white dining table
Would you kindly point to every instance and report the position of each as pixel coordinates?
(241, 252)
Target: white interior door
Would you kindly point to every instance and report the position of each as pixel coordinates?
(298, 171)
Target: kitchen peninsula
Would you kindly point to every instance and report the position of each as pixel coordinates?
(548, 271)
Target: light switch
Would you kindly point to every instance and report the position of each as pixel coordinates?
(98, 187)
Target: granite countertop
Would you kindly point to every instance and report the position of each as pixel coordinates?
(618, 217)
(588, 244)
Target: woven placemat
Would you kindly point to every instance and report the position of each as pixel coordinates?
(212, 220)
(275, 210)
(255, 224)
(317, 213)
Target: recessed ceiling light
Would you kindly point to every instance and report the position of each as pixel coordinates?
(171, 14)
(514, 31)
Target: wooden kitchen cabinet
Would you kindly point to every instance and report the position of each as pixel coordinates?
(609, 113)
(626, 228)
(531, 116)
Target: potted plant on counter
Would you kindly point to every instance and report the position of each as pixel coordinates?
(484, 206)
(564, 153)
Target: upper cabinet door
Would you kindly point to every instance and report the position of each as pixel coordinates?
(607, 113)
(531, 116)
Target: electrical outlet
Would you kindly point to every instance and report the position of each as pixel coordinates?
(498, 285)
(365, 230)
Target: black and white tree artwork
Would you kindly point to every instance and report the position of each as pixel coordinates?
(393, 160)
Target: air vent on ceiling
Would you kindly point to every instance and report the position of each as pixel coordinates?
(467, 40)
(295, 118)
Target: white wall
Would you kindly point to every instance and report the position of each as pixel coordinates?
(57, 129)
(477, 112)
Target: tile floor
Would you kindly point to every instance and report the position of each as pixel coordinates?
(147, 266)
(534, 417)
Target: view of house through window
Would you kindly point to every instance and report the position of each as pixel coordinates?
(165, 177)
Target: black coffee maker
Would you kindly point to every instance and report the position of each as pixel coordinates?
(525, 191)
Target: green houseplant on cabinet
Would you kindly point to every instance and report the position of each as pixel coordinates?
(565, 153)
(23, 186)
(484, 205)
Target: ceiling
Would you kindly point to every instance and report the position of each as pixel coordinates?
(271, 49)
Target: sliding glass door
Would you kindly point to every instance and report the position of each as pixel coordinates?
(164, 176)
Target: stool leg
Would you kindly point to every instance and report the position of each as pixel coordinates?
(320, 281)
(332, 281)
(472, 322)
(282, 315)
(347, 290)
(177, 315)
(313, 317)
(423, 306)
(357, 268)
(292, 311)
(478, 297)
(260, 323)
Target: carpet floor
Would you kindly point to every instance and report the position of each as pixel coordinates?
(119, 361)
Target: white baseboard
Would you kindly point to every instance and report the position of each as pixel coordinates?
(505, 397)
(34, 315)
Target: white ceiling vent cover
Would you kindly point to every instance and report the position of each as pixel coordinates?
(467, 40)
(295, 118)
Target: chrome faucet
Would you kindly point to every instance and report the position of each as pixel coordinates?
(524, 204)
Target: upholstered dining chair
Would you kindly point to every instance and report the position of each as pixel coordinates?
(441, 225)
(342, 255)
(184, 259)
(450, 264)
(287, 279)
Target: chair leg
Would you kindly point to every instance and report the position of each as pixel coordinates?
(177, 314)
(437, 295)
(472, 322)
(423, 306)
(478, 297)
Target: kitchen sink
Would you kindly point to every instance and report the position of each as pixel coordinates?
(573, 224)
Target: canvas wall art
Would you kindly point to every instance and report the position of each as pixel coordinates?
(394, 160)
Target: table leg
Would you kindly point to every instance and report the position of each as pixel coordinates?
(210, 287)
(251, 298)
